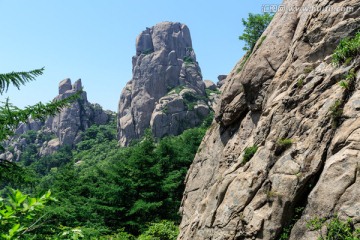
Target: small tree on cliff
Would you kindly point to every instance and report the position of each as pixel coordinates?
(255, 25)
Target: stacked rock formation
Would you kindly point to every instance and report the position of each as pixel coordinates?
(67, 125)
(286, 100)
(166, 93)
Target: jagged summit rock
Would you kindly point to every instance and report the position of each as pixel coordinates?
(65, 85)
(67, 125)
(285, 99)
(166, 92)
(73, 120)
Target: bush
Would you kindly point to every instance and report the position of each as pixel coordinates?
(336, 113)
(286, 142)
(164, 230)
(346, 50)
(188, 60)
(300, 82)
(335, 229)
(249, 153)
(20, 214)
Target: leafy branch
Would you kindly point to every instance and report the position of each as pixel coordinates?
(18, 78)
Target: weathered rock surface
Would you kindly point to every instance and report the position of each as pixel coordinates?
(166, 93)
(66, 127)
(222, 79)
(286, 90)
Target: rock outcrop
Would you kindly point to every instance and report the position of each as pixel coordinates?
(66, 127)
(286, 100)
(73, 120)
(166, 93)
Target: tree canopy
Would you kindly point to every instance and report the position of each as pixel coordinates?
(254, 25)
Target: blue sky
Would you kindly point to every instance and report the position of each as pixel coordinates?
(95, 41)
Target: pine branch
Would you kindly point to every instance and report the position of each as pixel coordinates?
(18, 78)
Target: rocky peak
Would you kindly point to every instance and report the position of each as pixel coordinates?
(285, 100)
(166, 92)
(65, 85)
(67, 125)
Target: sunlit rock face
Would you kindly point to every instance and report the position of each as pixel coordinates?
(166, 93)
(284, 93)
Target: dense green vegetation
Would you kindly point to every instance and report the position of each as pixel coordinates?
(347, 49)
(106, 190)
(249, 152)
(334, 228)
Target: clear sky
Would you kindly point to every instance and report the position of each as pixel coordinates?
(95, 40)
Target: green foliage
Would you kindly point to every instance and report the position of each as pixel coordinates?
(351, 75)
(18, 78)
(165, 109)
(190, 99)
(44, 165)
(209, 92)
(104, 188)
(285, 233)
(308, 69)
(344, 84)
(255, 25)
(348, 61)
(177, 89)
(300, 82)
(336, 112)
(249, 152)
(71, 233)
(188, 60)
(285, 142)
(20, 213)
(346, 50)
(120, 235)
(335, 228)
(164, 230)
(349, 82)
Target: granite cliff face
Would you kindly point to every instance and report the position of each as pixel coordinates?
(166, 93)
(66, 127)
(286, 100)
